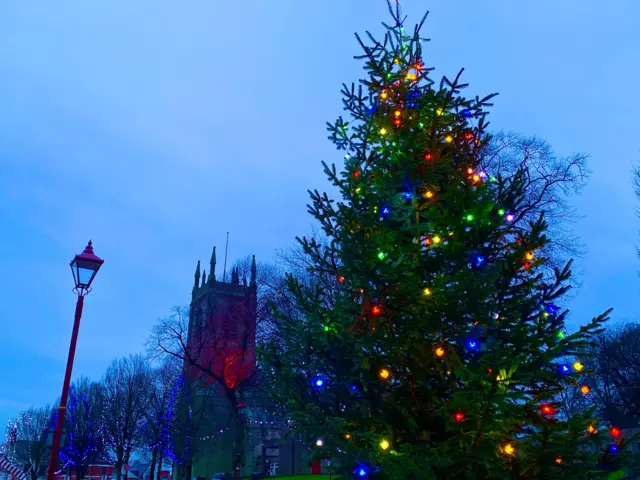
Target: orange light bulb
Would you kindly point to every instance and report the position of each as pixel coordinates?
(429, 194)
(584, 389)
(558, 460)
(509, 449)
(384, 374)
(439, 352)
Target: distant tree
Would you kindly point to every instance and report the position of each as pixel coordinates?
(126, 395)
(26, 440)
(615, 380)
(156, 423)
(85, 442)
(549, 183)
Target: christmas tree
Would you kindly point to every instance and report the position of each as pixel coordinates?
(444, 350)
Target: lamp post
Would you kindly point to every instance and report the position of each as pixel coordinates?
(84, 268)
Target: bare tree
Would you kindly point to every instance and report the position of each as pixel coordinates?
(84, 442)
(212, 355)
(156, 425)
(550, 183)
(615, 380)
(126, 388)
(26, 440)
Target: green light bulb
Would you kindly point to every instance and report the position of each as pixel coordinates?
(501, 212)
(470, 218)
(381, 255)
(561, 335)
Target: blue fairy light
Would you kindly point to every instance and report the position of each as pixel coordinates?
(466, 112)
(564, 369)
(613, 449)
(472, 344)
(385, 211)
(361, 471)
(551, 309)
(479, 260)
(408, 195)
(318, 382)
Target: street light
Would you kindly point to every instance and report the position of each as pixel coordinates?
(84, 268)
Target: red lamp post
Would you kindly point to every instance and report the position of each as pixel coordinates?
(84, 268)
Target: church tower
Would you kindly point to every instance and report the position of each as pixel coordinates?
(222, 319)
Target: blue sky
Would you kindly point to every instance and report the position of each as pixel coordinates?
(154, 127)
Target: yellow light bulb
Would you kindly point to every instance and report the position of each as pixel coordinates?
(411, 76)
(383, 131)
(448, 139)
(578, 366)
(384, 95)
(397, 113)
(591, 429)
(384, 374)
(358, 190)
(427, 291)
(347, 436)
(436, 239)
(429, 194)
(384, 444)
(509, 449)
(529, 255)
(439, 112)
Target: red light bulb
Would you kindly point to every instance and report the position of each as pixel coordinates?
(615, 432)
(547, 410)
(376, 310)
(459, 417)
(340, 278)
(356, 174)
(428, 156)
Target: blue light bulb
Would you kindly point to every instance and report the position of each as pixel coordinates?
(319, 382)
(472, 345)
(613, 449)
(479, 260)
(565, 368)
(466, 112)
(385, 211)
(362, 472)
(408, 195)
(551, 309)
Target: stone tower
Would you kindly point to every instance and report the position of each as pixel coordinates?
(225, 312)
(221, 336)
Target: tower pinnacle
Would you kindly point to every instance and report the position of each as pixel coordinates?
(212, 270)
(197, 275)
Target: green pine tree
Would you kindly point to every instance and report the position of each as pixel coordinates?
(441, 354)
